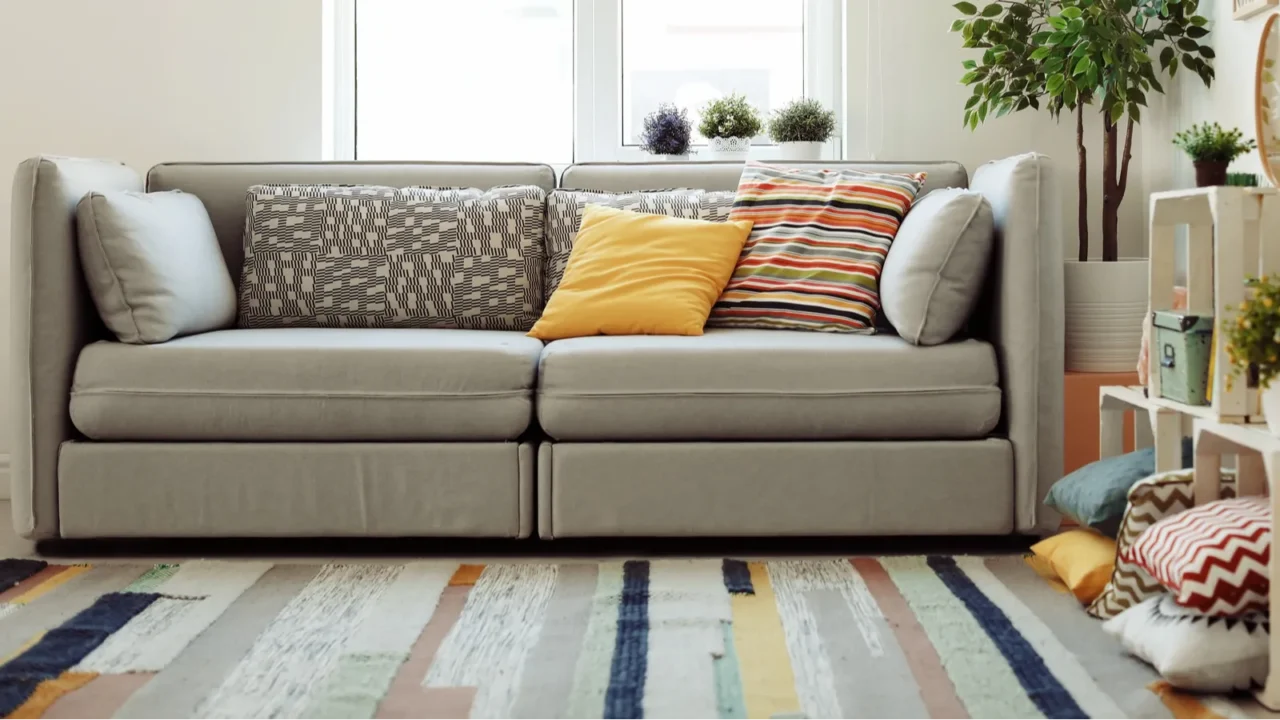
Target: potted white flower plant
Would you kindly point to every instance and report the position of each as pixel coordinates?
(728, 124)
(801, 129)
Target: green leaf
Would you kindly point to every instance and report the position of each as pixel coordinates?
(1206, 51)
(1195, 31)
(1041, 37)
(1199, 20)
(1041, 53)
(1069, 95)
(1075, 26)
(1173, 67)
(972, 101)
(1058, 23)
(991, 10)
(1135, 112)
(967, 8)
(1057, 38)
(1054, 83)
(969, 78)
(1166, 57)
(1188, 44)
(957, 26)
(969, 64)
(1054, 65)
(1082, 67)
(1137, 96)
(1071, 13)
(1117, 112)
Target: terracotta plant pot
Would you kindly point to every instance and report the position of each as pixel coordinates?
(1211, 173)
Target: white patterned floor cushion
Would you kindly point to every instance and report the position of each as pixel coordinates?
(1151, 500)
(1213, 557)
(1194, 651)
(370, 256)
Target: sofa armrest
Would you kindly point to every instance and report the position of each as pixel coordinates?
(1026, 325)
(52, 317)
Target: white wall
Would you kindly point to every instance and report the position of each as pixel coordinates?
(906, 103)
(145, 81)
(1229, 101)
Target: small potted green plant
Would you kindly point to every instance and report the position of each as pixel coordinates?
(1212, 149)
(729, 123)
(1253, 344)
(801, 129)
(667, 133)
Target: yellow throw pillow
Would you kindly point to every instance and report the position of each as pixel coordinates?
(636, 274)
(1083, 560)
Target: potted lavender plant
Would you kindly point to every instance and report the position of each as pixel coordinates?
(667, 133)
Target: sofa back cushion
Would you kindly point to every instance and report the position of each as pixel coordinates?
(373, 256)
(624, 177)
(221, 186)
(565, 209)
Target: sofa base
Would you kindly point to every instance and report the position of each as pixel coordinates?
(775, 488)
(295, 490)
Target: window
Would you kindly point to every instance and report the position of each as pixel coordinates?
(562, 81)
(431, 86)
(692, 52)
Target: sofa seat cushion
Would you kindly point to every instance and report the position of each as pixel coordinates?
(309, 384)
(742, 384)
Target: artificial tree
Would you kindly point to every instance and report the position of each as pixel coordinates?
(1069, 54)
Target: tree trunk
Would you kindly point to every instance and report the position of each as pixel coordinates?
(1110, 192)
(1082, 181)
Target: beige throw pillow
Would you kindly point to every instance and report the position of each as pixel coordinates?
(153, 265)
(934, 273)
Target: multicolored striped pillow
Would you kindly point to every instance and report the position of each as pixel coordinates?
(818, 242)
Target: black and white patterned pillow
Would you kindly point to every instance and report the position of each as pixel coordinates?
(371, 256)
(565, 208)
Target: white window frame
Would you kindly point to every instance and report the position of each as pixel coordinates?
(597, 114)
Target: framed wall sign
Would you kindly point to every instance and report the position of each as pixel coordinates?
(1245, 9)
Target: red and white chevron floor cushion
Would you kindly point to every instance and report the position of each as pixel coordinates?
(1214, 557)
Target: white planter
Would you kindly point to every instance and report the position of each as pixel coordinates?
(731, 148)
(800, 150)
(1271, 406)
(669, 158)
(1106, 303)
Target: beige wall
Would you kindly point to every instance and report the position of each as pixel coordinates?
(144, 81)
(905, 102)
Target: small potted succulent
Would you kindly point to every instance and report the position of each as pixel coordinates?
(1253, 344)
(801, 129)
(729, 123)
(1212, 149)
(667, 133)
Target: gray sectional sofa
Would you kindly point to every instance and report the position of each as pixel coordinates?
(390, 432)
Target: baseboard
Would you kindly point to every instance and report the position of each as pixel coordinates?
(4, 476)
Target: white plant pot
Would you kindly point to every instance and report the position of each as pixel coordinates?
(730, 148)
(1106, 303)
(672, 158)
(800, 150)
(1271, 406)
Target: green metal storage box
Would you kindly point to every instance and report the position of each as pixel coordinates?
(1183, 344)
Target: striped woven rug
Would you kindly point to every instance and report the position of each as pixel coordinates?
(869, 637)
